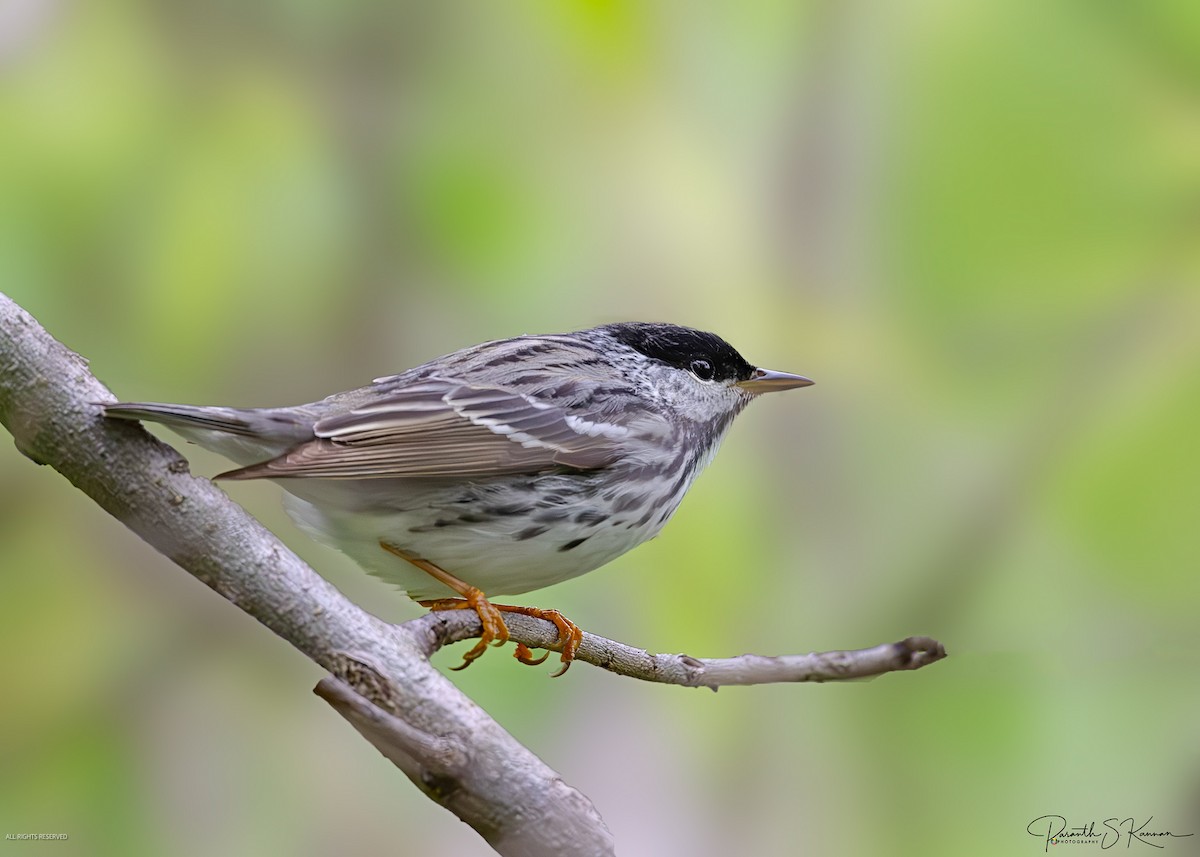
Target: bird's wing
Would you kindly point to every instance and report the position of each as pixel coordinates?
(445, 428)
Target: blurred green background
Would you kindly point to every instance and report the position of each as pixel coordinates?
(974, 224)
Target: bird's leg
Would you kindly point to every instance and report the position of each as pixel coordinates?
(494, 629)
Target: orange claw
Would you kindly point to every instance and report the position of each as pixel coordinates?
(524, 654)
(569, 634)
(495, 631)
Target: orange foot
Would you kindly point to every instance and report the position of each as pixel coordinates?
(569, 634)
(494, 629)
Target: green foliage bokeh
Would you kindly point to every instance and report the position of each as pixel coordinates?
(974, 224)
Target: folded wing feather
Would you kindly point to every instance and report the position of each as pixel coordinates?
(446, 428)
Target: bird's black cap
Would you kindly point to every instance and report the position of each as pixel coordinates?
(681, 346)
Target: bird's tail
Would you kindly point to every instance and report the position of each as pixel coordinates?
(247, 435)
(227, 420)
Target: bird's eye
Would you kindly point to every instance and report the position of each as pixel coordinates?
(702, 369)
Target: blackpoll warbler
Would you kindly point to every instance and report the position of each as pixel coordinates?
(500, 468)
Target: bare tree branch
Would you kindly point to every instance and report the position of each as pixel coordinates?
(435, 630)
(382, 681)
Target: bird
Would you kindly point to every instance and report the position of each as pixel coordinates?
(499, 468)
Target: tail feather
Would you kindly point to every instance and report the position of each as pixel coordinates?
(228, 420)
(248, 436)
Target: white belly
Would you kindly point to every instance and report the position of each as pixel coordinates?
(499, 555)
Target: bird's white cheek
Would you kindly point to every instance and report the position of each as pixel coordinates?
(701, 401)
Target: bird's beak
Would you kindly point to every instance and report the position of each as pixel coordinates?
(768, 380)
